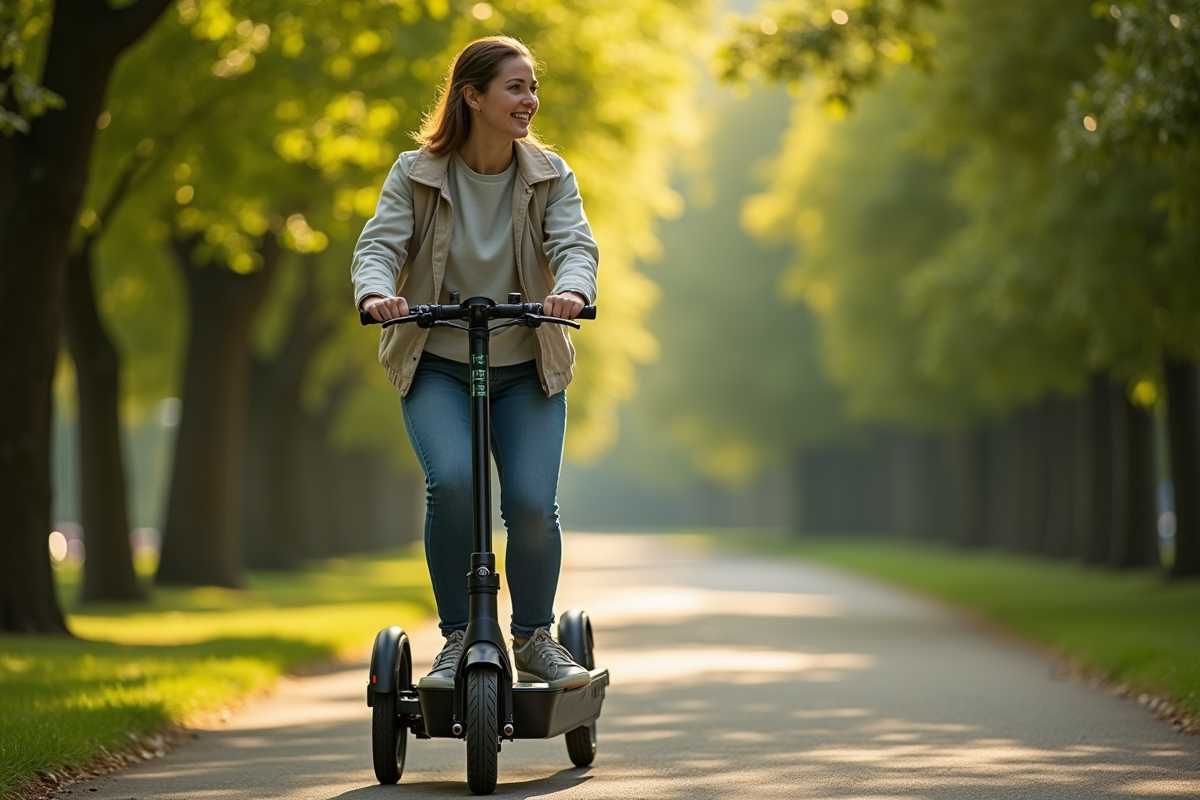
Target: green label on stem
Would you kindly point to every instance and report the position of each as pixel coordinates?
(479, 376)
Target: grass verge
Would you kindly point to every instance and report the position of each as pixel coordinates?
(135, 670)
(1132, 628)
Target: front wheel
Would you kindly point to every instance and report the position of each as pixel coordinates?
(482, 730)
(389, 739)
(575, 634)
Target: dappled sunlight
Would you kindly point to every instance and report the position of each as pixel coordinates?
(732, 699)
(672, 605)
(830, 713)
(643, 670)
(1159, 788)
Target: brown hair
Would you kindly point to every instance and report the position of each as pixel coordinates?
(447, 125)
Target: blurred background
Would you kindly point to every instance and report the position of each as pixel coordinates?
(903, 267)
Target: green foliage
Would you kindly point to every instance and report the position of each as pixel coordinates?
(863, 208)
(24, 26)
(846, 45)
(276, 119)
(132, 672)
(738, 384)
(981, 269)
(1061, 268)
(1144, 100)
(252, 120)
(1131, 627)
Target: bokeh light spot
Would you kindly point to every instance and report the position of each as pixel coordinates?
(58, 547)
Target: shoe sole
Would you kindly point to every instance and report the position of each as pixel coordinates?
(522, 677)
(567, 683)
(430, 682)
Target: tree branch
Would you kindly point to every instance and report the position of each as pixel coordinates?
(126, 25)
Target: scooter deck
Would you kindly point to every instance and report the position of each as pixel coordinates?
(539, 712)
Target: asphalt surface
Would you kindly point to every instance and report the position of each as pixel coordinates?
(731, 677)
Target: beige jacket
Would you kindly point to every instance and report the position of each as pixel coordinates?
(403, 251)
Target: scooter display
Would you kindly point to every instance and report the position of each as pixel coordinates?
(485, 707)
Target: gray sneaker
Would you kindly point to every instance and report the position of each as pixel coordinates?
(445, 665)
(543, 660)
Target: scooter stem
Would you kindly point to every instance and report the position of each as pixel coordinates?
(480, 424)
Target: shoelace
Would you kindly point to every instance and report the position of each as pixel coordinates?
(556, 654)
(449, 655)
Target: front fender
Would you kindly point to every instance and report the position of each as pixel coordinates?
(391, 647)
(485, 654)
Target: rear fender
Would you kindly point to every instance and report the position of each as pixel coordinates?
(391, 647)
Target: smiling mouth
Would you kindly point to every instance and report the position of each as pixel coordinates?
(521, 117)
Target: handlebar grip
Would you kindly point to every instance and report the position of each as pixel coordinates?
(365, 317)
(588, 312)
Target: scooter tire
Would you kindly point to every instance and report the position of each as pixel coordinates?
(575, 634)
(389, 733)
(482, 730)
(389, 740)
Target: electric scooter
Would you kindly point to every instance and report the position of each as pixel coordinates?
(485, 707)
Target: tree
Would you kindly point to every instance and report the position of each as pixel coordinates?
(1045, 279)
(43, 173)
(1142, 108)
(844, 46)
(108, 572)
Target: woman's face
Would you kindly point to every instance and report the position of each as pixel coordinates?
(510, 101)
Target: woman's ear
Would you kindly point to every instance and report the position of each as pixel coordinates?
(472, 97)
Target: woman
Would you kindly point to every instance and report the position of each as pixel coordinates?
(484, 209)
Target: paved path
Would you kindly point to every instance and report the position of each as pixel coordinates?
(732, 677)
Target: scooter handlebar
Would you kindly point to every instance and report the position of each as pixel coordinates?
(448, 312)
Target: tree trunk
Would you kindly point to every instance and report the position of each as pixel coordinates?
(967, 493)
(200, 541)
(1134, 532)
(1084, 452)
(42, 178)
(1183, 431)
(108, 572)
(318, 498)
(1092, 544)
(375, 505)
(1035, 483)
(271, 511)
(1061, 478)
(1000, 495)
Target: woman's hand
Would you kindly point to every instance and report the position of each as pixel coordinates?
(385, 308)
(564, 306)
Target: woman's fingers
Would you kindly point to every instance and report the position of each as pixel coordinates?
(564, 306)
(385, 308)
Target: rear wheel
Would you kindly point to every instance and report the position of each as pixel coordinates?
(483, 730)
(575, 634)
(389, 733)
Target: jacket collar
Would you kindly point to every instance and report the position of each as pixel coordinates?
(532, 164)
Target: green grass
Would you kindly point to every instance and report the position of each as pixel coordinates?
(1131, 627)
(136, 669)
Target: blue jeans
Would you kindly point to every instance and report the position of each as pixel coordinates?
(527, 443)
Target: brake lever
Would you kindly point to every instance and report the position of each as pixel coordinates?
(538, 319)
(387, 323)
